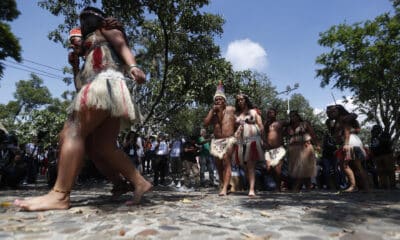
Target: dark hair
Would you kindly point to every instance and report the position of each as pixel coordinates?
(89, 25)
(295, 112)
(92, 11)
(342, 111)
(246, 99)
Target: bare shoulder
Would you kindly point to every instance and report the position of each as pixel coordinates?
(230, 109)
(253, 112)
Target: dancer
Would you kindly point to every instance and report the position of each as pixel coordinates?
(98, 110)
(351, 153)
(249, 144)
(301, 155)
(120, 185)
(276, 152)
(222, 117)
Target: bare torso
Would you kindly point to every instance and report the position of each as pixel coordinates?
(224, 123)
(275, 136)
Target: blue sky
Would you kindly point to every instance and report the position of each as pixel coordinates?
(278, 38)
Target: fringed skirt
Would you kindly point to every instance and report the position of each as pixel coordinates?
(302, 160)
(248, 150)
(108, 91)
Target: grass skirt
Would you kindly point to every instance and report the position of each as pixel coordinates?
(302, 160)
(107, 91)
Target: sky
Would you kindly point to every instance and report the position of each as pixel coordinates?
(277, 38)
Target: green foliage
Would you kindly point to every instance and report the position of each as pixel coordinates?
(34, 111)
(257, 86)
(9, 44)
(187, 122)
(31, 94)
(173, 41)
(364, 58)
(47, 122)
(8, 113)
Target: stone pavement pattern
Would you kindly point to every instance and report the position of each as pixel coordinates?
(167, 214)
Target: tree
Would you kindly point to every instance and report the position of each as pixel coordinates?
(33, 112)
(39, 123)
(31, 94)
(256, 85)
(9, 44)
(365, 59)
(174, 44)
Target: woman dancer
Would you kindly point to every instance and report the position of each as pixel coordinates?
(100, 106)
(301, 155)
(249, 134)
(351, 153)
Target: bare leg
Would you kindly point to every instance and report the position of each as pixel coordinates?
(71, 160)
(251, 175)
(120, 185)
(277, 172)
(350, 176)
(227, 172)
(363, 174)
(298, 183)
(220, 168)
(106, 136)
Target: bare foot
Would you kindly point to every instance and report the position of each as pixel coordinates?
(51, 201)
(223, 192)
(120, 189)
(140, 189)
(351, 189)
(252, 194)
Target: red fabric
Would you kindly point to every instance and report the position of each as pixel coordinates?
(340, 154)
(97, 59)
(85, 95)
(87, 45)
(253, 151)
(237, 160)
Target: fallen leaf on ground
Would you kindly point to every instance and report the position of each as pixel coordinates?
(264, 214)
(5, 204)
(185, 200)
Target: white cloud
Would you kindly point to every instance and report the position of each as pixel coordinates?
(318, 111)
(246, 54)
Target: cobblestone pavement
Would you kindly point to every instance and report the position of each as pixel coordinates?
(168, 214)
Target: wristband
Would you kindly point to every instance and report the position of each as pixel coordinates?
(133, 66)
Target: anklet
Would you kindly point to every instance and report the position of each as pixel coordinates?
(60, 191)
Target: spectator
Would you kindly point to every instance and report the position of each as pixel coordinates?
(206, 160)
(160, 162)
(176, 161)
(301, 155)
(192, 171)
(382, 155)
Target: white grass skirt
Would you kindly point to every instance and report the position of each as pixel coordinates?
(107, 91)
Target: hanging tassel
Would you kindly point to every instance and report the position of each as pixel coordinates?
(97, 59)
(237, 160)
(253, 151)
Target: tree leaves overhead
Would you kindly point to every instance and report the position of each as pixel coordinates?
(365, 59)
(31, 94)
(9, 44)
(173, 42)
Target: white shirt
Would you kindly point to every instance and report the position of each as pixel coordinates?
(139, 144)
(162, 148)
(176, 149)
